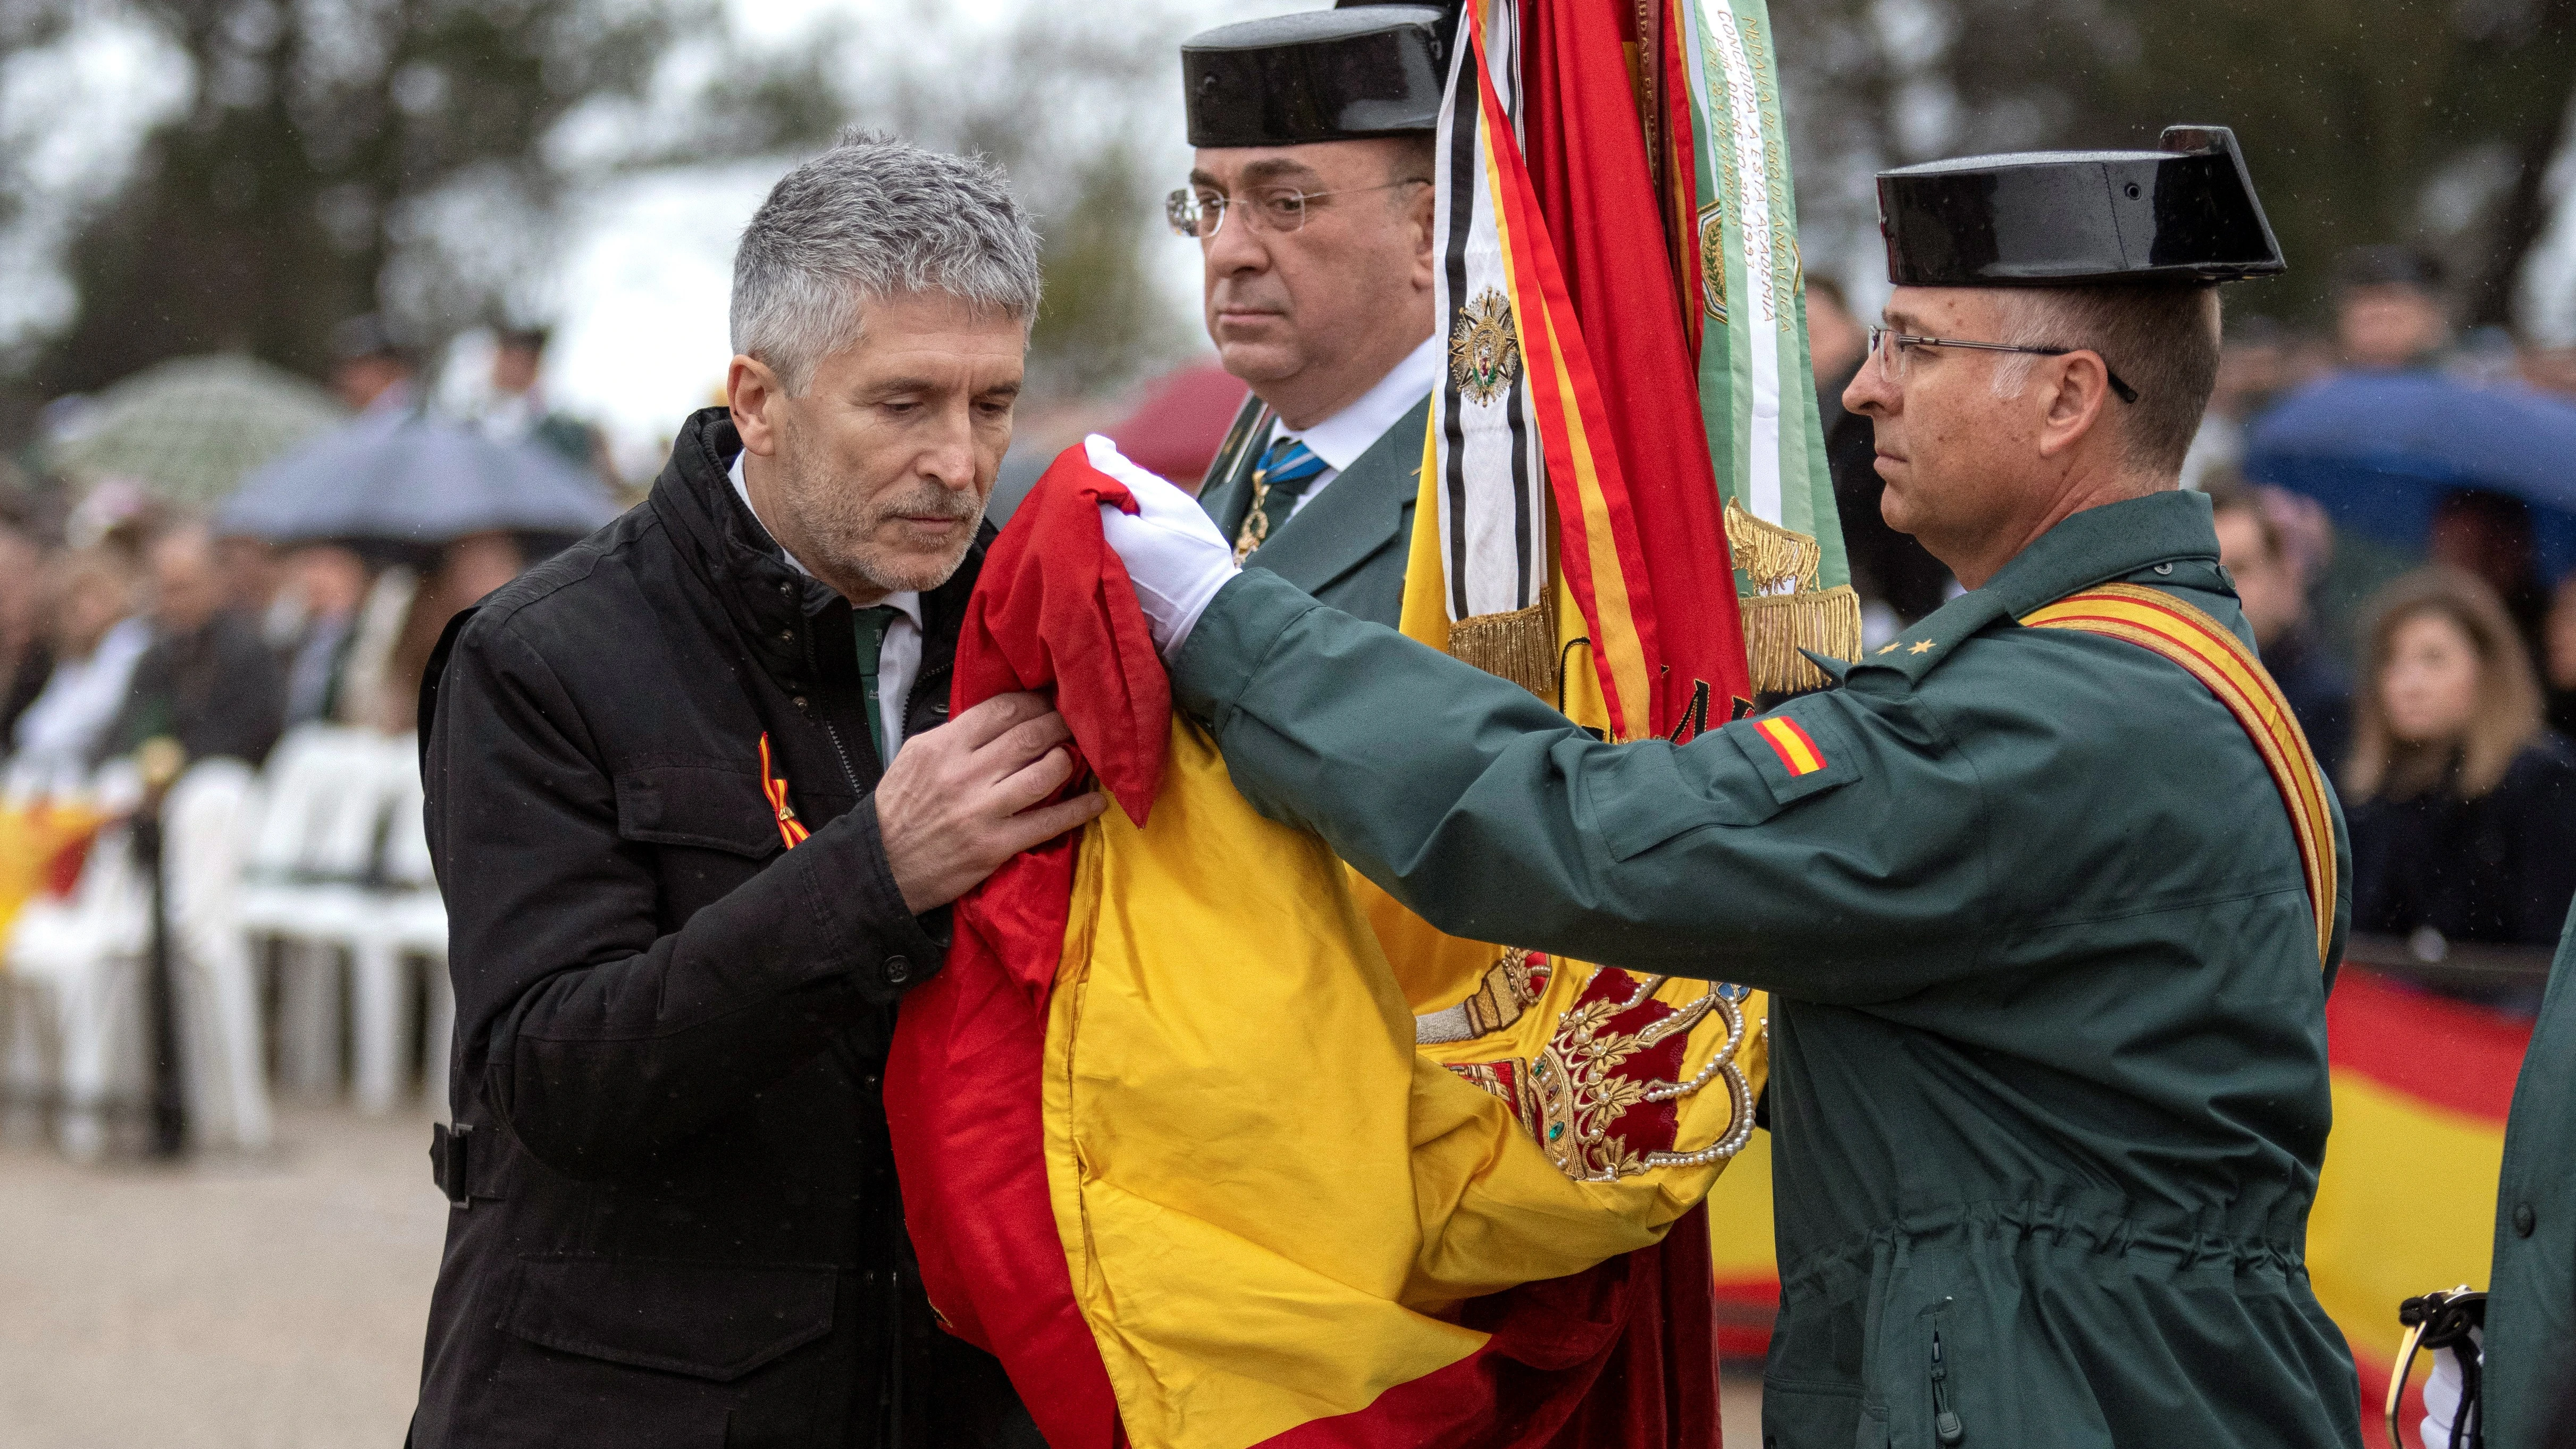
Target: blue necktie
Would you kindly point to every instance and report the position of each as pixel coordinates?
(1286, 470)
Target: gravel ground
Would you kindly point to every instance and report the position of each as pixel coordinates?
(275, 1302)
(249, 1303)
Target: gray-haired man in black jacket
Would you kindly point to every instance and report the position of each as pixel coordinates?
(685, 891)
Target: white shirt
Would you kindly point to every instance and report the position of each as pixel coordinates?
(898, 654)
(80, 700)
(1340, 439)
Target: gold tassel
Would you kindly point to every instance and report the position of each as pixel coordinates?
(1518, 645)
(1774, 559)
(1777, 626)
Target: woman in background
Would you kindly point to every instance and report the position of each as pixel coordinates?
(2462, 803)
(97, 638)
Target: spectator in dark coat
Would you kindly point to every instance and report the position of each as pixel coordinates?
(208, 680)
(684, 890)
(2461, 803)
(2275, 599)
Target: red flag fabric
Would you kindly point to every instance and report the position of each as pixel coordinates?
(1052, 611)
(1586, 150)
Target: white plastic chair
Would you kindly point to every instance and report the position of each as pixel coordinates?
(203, 837)
(405, 920)
(304, 884)
(77, 968)
(69, 970)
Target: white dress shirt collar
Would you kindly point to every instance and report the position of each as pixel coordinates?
(1340, 439)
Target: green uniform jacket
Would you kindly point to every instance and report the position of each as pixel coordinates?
(1347, 546)
(2531, 1296)
(2048, 1077)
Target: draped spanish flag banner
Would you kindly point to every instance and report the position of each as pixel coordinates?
(2407, 1201)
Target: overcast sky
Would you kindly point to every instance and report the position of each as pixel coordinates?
(642, 335)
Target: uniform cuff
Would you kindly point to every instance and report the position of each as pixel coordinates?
(1241, 625)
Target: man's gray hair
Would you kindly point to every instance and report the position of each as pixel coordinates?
(2161, 338)
(874, 217)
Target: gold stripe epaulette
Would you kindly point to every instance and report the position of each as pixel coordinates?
(2155, 620)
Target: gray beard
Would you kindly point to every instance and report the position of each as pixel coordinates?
(840, 530)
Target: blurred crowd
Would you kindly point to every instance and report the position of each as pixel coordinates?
(127, 613)
(2434, 675)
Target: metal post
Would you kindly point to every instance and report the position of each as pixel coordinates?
(161, 760)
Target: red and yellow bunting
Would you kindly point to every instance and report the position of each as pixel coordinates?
(2160, 622)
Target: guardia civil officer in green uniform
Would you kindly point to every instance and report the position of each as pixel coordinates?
(2529, 1386)
(2048, 1077)
(1310, 197)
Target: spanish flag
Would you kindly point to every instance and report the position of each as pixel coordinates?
(2407, 1201)
(1176, 1146)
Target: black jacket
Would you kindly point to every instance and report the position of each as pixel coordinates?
(217, 690)
(679, 1222)
(2499, 868)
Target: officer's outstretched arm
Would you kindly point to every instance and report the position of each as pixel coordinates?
(1840, 860)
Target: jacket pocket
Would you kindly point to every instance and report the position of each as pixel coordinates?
(708, 806)
(1737, 776)
(712, 1321)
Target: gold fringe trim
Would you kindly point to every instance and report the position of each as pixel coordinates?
(1777, 626)
(1775, 560)
(1519, 645)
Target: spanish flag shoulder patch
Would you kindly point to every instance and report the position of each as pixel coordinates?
(1798, 751)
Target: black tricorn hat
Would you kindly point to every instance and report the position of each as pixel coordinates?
(1344, 74)
(2185, 212)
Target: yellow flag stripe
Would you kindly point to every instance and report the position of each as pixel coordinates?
(1791, 745)
(2168, 626)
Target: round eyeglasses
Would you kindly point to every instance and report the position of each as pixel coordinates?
(1889, 349)
(1199, 211)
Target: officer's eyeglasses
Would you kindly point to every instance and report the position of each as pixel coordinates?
(1889, 348)
(1199, 213)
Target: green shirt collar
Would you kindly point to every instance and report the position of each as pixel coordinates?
(2109, 542)
(2105, 543)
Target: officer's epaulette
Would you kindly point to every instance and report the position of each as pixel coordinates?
(1922, 648)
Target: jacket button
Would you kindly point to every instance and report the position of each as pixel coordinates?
(800, 701)
(787, 636)
(898, 970)
(2524, 1219)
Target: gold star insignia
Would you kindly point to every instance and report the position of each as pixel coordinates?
(1888, 648)
(1921, 647)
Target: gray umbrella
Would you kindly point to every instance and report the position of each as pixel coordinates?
(411, 478)
(189, 429)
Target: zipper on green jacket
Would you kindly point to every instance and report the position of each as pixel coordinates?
(1945, 1422)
